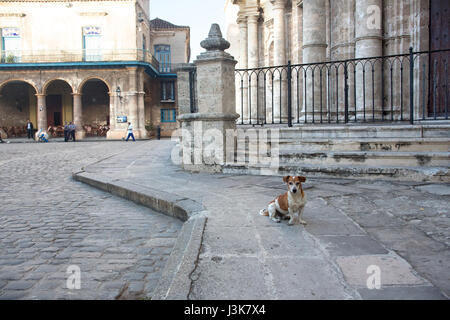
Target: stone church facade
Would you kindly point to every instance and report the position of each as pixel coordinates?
(90, 62)
(266, 33)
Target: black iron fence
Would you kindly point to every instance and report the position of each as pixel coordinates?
(405, 87)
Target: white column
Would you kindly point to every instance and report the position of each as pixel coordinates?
(253, 53)
(368, 43)
(141, 106)
(242, 81)
(314, 50)
(342, 48)
(133, 101)
(42, 112)
(114, 132)
(279, 58)
(78, 115)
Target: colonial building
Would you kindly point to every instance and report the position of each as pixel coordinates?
(267, 33)
(170, 45)
(91, 62)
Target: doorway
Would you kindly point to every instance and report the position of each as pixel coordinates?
(54, 110)
(439, 61)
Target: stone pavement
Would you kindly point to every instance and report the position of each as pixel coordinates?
(49, 222)
(400, 229)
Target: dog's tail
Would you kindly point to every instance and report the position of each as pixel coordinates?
(264, 212)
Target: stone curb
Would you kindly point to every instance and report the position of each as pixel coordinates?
(175, 283)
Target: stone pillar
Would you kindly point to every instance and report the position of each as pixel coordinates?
(368, 43)
(113, 133)
(204, 133)
(279, 58)
(342, 48)
(78, 116)
(253, 53)
(141, 111)
(314, 50)
(41, 112)
(297, 56)
(242, 81)
(132, 104)
(184, 88)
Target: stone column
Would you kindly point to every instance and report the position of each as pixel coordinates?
(78, 116)
(253, 52)
(204, 133)
(184, 88)
(342, 48)
(141, 106)
(41, 112)
(279, 58)
(368, 43)
(242, 81)
(132, 105)
(113, 112)
(314, 50)
(141, 111)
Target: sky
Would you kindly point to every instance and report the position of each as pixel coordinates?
(197, 14)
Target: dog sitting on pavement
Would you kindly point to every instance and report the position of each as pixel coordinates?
(289, 205)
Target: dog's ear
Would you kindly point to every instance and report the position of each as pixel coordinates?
(302, 179)
(286, 179)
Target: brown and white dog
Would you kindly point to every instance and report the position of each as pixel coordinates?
(289, 205)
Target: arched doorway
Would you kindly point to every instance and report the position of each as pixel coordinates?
(59, 104)
(18, 103)
(95, 107)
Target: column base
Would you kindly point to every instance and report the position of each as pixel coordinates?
(80, 135)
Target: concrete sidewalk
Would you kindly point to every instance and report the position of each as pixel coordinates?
(226, 250)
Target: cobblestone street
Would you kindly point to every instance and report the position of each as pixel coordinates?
(50, 222)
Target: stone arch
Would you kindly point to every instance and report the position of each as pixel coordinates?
(18, 103)
(95, 106)
(80, 86)
(59, 101)
(49, 82)
(2, 84)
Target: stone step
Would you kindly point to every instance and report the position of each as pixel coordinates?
(368, 144)
(399, 173)
(375, 159)
(439, 130)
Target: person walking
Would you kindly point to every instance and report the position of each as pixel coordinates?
(66, 131)
(72, 129)
(29, 129)
(130, 132)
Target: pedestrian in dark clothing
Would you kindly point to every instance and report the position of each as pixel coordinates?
(30, 129)
(72, 129)
(66, 132)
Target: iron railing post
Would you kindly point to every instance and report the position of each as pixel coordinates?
(289, 97)
(346, 91)
(411, 86)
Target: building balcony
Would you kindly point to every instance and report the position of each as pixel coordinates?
(29, 57)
